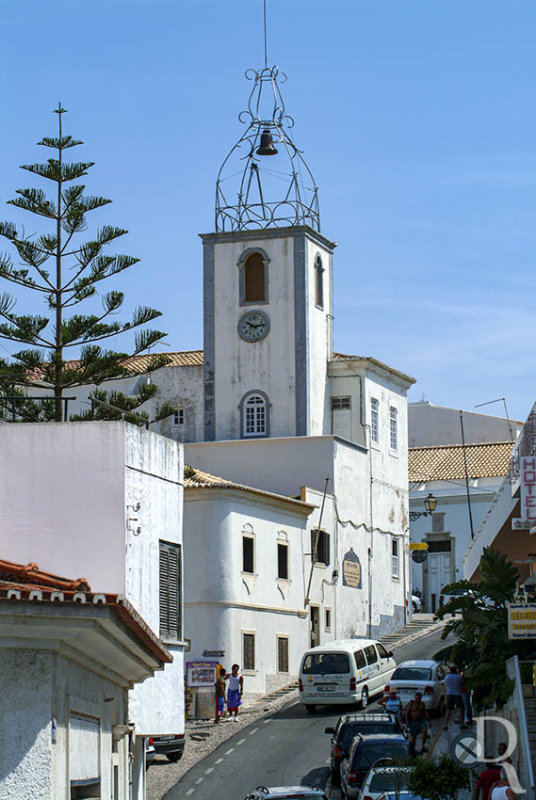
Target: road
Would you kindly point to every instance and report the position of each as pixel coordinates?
(289, 748)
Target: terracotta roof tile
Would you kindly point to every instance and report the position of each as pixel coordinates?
(196, 479)
(446, 462)
(30, 574)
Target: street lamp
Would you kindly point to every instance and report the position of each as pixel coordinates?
(430, 503)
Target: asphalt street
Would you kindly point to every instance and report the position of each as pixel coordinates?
(290, 747)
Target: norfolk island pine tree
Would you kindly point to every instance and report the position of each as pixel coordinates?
(66, 273)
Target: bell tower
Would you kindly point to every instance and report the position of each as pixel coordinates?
(268, 296)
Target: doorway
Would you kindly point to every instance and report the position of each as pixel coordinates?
(315, 625)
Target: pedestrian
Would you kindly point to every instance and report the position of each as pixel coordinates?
(501, 790)
(486, 779)
(466, 700)
(392, 704)
(220, 693)
(416, 716)
(453, 682)
(234, 692)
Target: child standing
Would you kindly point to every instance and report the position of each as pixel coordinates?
(234, 692)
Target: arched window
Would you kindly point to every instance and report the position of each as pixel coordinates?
(253, 265)
(319, 283)
(254, 415)
(254, 278)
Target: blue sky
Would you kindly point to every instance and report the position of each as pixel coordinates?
(416, 117)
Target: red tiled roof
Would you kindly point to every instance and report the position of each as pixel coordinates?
(30, 574)
(448, 462)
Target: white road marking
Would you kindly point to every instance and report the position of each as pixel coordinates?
(190, 791)
(228, 753)
(266, 720)
(219, 760)
(209, 770)
(199, 780)
(241, 741)
(255, 730)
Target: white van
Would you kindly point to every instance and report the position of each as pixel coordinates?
(344, 671)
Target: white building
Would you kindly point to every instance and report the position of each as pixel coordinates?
(104, 500)
(68, 659)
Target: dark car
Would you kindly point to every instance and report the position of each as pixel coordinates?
(348, 726)
(366, 751)
(171, 746)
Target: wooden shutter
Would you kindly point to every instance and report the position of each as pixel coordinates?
(248, 644)
(170, 591)
(282, 654)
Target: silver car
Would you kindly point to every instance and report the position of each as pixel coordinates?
(427, 677)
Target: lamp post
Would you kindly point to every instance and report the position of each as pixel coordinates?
(430, 503)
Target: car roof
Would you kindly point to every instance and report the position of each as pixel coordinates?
(342, 644)
(384, 737)
(417, 663)
(283, 791)
(374, 717)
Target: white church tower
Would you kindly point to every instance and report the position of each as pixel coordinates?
(268, 289)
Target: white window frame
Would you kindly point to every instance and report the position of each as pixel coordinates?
(393, 429)
(343, 403)
(255, 416)
(374, 420)
(248, 533)
(395, 558)
(327, 618)
(178, 417)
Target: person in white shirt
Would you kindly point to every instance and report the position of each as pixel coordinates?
(234, 691)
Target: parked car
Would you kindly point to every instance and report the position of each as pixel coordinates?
(381, 779)
(348, 726)
(416, 602)
(427, 677)
(149, 753)
(366, 751)
(286, 793)
(171, 746)
(344, 671)
(404, 795)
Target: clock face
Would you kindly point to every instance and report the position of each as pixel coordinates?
(254, 326)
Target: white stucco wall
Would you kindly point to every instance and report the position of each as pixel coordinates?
(319, 323)
(222, 602)
(498, 511)
(431, 424)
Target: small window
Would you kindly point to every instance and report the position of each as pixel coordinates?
(248, 650)
(359, 657)
(327, 619)
(393, 428)
(248, 554)
(371, 654)
(282, 561)
(374, 420)
(255, 416)
(320, 547)
(282, 654)
(254, 279)
(382, 651)
(170, 591)
(339, 403)
(319, 283)
(395, 558)
(178, 417)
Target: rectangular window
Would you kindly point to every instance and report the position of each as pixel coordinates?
(327, 619)
(319, 284)
(248, 651)
(282, 561)
(374, 420)
(359, 658)
(340, 403)
(393, 428)
(248, 554)
(395, 558)
(371, 654)
(320, 547)
(170, 588)
(282, 654)
(178, 417)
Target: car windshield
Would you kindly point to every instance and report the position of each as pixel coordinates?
(412, 674)
(373, 751)
(387, 781)
(326, 664)
(349, 731)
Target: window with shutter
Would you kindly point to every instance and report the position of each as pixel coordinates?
(320, 547)
(248, 649)
(282, 654)
(170, 585)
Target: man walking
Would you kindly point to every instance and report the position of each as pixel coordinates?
(219, 687)
(454, 683)
(416, 717)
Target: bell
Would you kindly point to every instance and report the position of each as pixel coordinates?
(266, 147)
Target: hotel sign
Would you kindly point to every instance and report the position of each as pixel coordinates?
(528, 495)
(521, 620)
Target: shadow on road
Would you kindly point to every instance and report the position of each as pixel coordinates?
(316, 777)
(297, 711)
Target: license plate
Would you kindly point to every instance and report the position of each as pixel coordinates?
(325, 688)
(166, 738)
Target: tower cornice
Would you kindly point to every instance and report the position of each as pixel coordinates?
(291, 231)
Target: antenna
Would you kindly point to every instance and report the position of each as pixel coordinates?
(498, 400)
(265, 40)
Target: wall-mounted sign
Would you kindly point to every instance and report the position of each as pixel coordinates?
(521, 620)
(419, 556)
(527, 492)
(351, 570)
(201, 673)
(418, 546)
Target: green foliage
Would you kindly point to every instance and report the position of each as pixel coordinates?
(481, 630)
(66, 273)
(437, 780)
